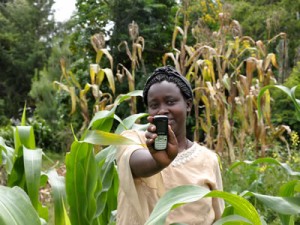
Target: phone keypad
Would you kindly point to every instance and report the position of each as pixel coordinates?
(161, 142)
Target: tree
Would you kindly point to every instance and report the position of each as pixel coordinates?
(264, 19)
(25, 34)
(154, 18)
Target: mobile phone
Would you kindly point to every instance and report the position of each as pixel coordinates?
(161, 123)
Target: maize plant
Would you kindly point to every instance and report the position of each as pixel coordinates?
(227, 73)
(135, 56)
(70, 84)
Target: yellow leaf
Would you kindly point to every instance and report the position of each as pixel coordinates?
(94, 69)
(175, 59)
(73, 99)
(176, 30)
(110, 77)
(99, 56)
(110, 58)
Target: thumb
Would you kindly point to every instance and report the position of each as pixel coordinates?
(172, 149)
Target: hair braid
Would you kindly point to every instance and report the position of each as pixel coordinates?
(168, 73)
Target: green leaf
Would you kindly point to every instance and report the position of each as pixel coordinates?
(281, 205)
(81, 183)
(241, 206)
(172, 199)
(128, 122)
(107, 175)
(289, 92)
(16, 208)
(17, 175)
(24, 135)
(23, 120)
(102, 120)
(98, 137)
(124, 97)
(189, 193)
(268, 161)
(32, 167)
(288, 189)
(107, 154)
(59, 196)
(8, 153)
(232, 220)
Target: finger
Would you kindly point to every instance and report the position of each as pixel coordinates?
(172, 144)
(150, 119)
(151, 128)
(150, 135)
(172, 137)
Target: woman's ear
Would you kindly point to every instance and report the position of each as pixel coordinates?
(189, 105)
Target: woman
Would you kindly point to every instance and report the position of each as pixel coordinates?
(146, 174)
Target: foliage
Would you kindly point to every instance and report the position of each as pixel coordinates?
(239, 209)
(87, 194)
(227, 73)
(258, 176)
(283, 109)
(23, 167)
(113, 19)
(155, 18)
(227, 70)
(24, 44)
(85, 163)
(50, 109)
(264, 19)
(70, 84)
(24, 213)
(286, 206)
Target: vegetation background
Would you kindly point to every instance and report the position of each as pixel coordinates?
(66, 74)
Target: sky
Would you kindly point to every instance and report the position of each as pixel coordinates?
(63, 9)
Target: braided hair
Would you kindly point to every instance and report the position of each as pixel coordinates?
(169, 74)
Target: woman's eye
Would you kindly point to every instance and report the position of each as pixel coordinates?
(153, 105)
(170, 102)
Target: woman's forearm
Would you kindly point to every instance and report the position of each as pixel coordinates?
(142, 164)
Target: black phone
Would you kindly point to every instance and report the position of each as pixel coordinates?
(161, 123)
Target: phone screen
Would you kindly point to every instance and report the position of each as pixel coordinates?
(161, 123)
(162, 127)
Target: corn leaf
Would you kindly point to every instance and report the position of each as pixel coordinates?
(190, 193)
(281, 205)
(102, 120)
(16, 208)
(59, 197)
(172, 199)
(267, 160)
(110, 78)
(81, 183)
(241, 206)
(32, 167)
(232, 220)
(8, 154)
(128, 122)
(289, 92)
(288, 190)
(24, 135)
(98, 137)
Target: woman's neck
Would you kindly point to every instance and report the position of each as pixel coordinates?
(183, 144)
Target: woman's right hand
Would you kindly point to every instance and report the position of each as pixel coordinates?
(147, 162)
(162, 157)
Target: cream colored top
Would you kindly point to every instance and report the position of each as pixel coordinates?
(137, 197)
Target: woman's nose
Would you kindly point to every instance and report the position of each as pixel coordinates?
(162, 110)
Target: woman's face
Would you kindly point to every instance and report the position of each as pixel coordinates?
(165, 98)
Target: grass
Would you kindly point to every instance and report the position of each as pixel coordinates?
(52, 160)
